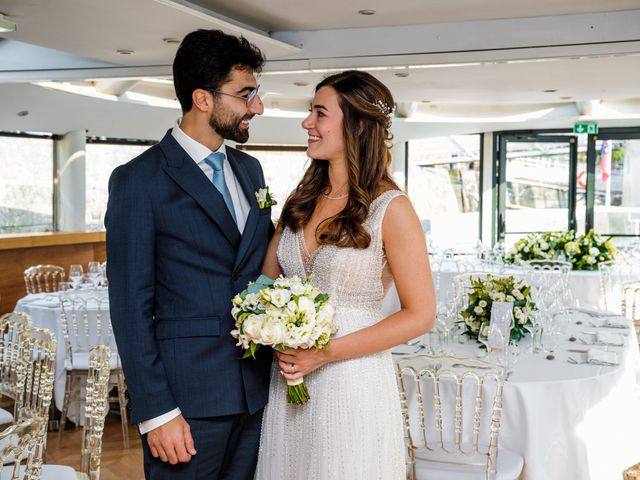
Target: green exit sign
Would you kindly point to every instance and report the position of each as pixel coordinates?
(585, 128)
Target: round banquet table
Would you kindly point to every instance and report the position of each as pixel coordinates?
(570, 421)
(44, 309)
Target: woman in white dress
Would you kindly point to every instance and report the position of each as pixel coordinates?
(348, 226)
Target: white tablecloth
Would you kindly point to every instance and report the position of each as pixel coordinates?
(572, 421)
(44, 310)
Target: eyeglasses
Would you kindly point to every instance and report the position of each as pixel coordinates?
(249, 97)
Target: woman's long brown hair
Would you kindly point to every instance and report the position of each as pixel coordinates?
(366, 104)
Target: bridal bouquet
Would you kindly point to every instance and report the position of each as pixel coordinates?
(285, 313)
(483, 292)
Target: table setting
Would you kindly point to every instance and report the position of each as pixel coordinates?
(571, 406)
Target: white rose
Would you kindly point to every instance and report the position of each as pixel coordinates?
(307, 306)
(252, 326)
(325, 315)
(482, 303)
(298, 289)
(526, 249)
(593, 251)
(510, 298)
(273, 333)
(280, 297)
(478, 310)
(544, 245)
(590, 260)
(501, 297)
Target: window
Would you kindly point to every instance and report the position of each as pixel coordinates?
(444, 186)
(101, 160)
(26, 184)
(617, 196)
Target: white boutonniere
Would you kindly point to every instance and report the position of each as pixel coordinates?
(265, 200)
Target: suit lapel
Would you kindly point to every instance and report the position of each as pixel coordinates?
(186, 173)
(240, 171)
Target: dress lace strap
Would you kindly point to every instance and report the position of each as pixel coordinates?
(378, 209)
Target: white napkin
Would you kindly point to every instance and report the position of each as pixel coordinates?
(596, 356)
(615, 321)
(608, 338)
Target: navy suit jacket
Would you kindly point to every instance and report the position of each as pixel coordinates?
(175, 259)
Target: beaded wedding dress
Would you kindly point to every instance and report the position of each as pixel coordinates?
(351, 428)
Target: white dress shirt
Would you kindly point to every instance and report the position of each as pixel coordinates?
(198, 153)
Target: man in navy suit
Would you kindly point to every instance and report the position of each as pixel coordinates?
(184, 235)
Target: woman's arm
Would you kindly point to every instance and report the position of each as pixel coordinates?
(270, 266)
(406, 253)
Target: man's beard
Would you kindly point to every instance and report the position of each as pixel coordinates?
(228, 126)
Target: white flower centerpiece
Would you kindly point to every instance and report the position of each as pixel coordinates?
(476, 317)
(584, 252)
(283, 313)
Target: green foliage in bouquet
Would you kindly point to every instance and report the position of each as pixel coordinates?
(584, 252)
(484, 292)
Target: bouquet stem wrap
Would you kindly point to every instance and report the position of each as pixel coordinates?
(297, 392)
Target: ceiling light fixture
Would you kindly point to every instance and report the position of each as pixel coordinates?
(23, 113)
(124, 51)
(301, 84)
(171, 40)
(401, 74)
(367, 12)
(6, 25)
(550, 90)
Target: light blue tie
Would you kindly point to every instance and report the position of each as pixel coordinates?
(216, 161)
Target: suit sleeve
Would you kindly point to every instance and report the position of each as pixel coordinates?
(129, 221)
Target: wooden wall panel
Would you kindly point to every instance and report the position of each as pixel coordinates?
(57, 249)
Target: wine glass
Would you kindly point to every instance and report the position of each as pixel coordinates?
(95, 273)
(75, 275)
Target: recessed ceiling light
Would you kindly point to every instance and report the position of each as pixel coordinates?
(425, 101)
(301, 84)
(550, 90)
(23, 113)
(367, 12)
(401, 74)
(171, 40)
(566, 98)
(124, 51)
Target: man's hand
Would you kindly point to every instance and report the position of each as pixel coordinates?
(172, 442)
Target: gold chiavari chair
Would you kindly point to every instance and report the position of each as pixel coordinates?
(13, 361)
(41, 356)
(43, 278)
(21, 448)
(96, 408)
(86, 323)
(452, 411)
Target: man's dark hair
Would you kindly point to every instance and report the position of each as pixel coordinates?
(205, 59)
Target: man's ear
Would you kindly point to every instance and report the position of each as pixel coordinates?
(201, 100)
